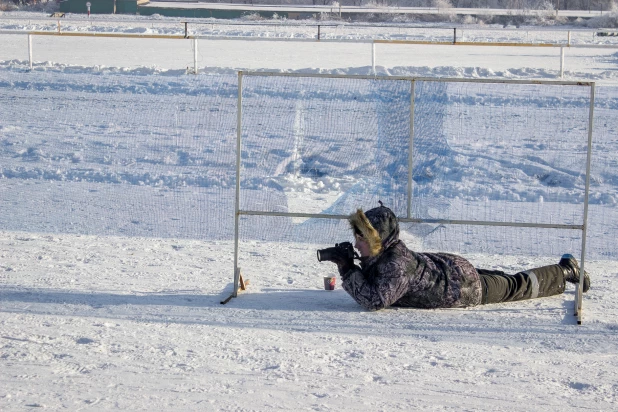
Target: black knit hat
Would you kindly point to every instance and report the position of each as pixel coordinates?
(378, 226)
(383, 220)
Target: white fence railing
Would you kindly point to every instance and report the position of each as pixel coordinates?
(319, 30)
(372, 43)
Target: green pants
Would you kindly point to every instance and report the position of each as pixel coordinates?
(499, 287)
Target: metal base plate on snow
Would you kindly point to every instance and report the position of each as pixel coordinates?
(242, 285)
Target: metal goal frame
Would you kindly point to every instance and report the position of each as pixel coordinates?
(238, 212)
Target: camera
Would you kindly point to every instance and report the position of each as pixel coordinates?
(343, 250)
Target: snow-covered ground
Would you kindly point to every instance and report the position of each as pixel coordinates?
(97, 323)
(116, 203)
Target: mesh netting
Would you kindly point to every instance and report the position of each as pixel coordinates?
(603, 213)
(154, 155)
(346, 138)
(501, 152)
(504, 153)
(118, 155)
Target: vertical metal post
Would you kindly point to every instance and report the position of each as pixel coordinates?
(58, 26)
(318, 32)
(569, 37)
(186, 30)
(411, 149)
(562, 62)
(30, 49)
(580, 285)
(237, 199)
(195, 56)
(373, 57)
(454, 35)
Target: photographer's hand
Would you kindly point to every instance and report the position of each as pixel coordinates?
(344, 263)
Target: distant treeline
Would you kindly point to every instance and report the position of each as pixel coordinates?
(487, 4)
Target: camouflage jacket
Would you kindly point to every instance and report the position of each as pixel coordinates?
(398, 276)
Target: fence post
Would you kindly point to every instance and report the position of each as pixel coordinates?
(195, 56)
(569, 37)
(562, 62)
(237, 198)
(580, 285)
(30, 50)
(373, 57)
(454, 35)
(318, 32)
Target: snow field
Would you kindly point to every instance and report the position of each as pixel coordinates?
(111, 279)
(98, 323)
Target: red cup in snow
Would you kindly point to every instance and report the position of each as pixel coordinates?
(329, 282)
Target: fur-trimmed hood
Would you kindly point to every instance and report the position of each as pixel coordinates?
(378, 226)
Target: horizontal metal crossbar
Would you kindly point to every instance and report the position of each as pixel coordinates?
(472, 43)
(308, 40)
(410, 78)
(303, 24)
(94, 34)
(467, 43)
(410, 220)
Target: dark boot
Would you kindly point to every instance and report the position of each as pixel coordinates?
(571, 271)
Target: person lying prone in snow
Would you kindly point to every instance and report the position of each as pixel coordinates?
(390, 274)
